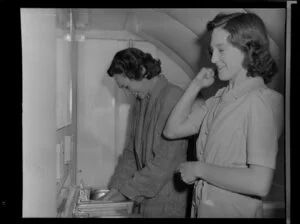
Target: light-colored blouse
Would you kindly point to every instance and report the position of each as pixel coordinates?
(236, 127)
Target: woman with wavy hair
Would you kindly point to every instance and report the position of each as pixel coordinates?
(238, 128)
(146, 172)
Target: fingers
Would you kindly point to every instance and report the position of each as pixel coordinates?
(185, 175)
(205, 77)
(209, 73)
(180, 170)
(204, 72)
(105, 198)
(181, 167)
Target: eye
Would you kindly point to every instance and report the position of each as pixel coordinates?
(221, 50)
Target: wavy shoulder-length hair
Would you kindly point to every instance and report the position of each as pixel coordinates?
(134, 64)
(249, 34)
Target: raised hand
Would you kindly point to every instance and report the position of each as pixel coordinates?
(205, 77)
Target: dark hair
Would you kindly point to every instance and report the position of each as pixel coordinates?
(249, 34)
(135, 64)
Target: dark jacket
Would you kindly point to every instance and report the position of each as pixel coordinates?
(146, 169)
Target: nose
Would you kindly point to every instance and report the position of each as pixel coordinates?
(121, 86)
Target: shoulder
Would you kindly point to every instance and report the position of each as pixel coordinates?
(174, 89)
(171, 93)
(265, 104)
(168, 98)
(266, 97)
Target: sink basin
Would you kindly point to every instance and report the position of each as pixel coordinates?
(93, 207)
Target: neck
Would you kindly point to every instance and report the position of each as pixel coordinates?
(240, 77)
(152, 83)
(149, 85)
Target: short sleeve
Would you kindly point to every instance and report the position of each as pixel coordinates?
(264, 128)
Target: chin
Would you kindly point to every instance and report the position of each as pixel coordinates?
(223, 76)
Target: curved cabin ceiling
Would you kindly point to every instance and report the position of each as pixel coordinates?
(179, 33)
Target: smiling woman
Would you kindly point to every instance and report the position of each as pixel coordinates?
(227, 58)
(241, 41)
(238, 128)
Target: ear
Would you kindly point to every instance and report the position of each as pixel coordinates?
(143, 70)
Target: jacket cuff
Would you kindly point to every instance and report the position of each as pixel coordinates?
(131, 193)
(115, 185)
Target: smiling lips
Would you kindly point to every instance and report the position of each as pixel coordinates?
(220, 68)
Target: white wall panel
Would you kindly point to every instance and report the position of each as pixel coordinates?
(38, 61)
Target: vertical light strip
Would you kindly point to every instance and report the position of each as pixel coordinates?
(73, 64)
(71, 98)
(287, 110)
(116, 105)
(71, 24)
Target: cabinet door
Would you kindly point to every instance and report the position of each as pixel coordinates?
(63, 83)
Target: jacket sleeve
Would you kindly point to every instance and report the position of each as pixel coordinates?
(167, 155)
(126, 166)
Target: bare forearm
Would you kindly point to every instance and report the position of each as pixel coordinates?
(252, 181)
(182, 108)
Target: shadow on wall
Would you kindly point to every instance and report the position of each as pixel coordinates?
(204, 62)
(107, 82)
(120, 99)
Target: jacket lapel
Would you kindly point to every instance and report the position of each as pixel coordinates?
(146, 112)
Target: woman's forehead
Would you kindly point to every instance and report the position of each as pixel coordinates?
(219, 37)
